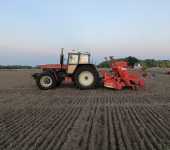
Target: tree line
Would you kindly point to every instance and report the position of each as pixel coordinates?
(17, 67)
(146, 63)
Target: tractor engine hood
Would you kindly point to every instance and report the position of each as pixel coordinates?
(53, 66)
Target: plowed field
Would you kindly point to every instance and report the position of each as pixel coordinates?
(69, 119)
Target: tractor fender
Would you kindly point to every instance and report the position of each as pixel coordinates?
(38, 75)
(57, 75)
(49, 72)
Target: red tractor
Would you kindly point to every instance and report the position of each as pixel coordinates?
(78, 69)
(85, 75)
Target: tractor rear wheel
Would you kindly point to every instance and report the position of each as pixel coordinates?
(46, 82)
(86, 77)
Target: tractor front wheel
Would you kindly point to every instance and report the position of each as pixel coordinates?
(46, 82)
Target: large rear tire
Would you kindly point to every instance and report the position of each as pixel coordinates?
(46, 82)
(86, 77)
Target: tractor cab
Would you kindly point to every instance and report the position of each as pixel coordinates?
(75, 59)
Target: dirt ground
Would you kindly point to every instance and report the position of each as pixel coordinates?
(69, 119)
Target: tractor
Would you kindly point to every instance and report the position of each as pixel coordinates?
(85, 75)
(79, 69)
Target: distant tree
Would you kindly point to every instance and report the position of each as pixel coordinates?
(151, 63)
(15, 67)
(105, 58)
(147, 63)
(111, 58)
(132, 60)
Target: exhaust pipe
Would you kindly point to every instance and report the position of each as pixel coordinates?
(62, 58)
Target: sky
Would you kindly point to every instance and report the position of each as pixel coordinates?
(33, 31)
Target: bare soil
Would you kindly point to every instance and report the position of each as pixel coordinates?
(70, 119)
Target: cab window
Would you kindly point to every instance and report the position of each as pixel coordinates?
(73, 59)
(84, 59)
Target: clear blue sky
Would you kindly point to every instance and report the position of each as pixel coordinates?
(33, 31)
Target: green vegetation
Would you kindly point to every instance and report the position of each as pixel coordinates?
(147, 63)
(156, 63)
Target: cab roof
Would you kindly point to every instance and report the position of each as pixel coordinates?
(78, 52)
